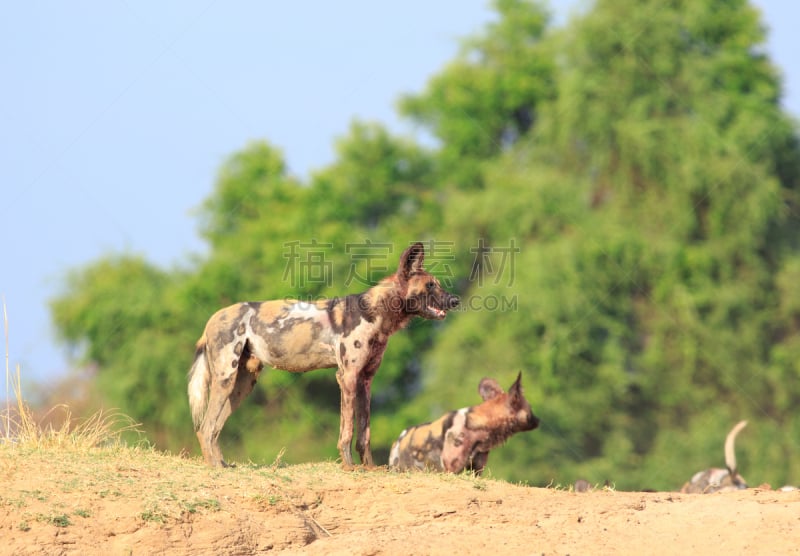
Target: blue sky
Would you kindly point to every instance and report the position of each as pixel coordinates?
(115, 117)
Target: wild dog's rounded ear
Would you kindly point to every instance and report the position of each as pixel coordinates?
(489, 388)
(516, 388)
(411, 260)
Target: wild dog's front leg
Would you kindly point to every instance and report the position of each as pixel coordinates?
(347, 389)
(478, 462)
(363, 387)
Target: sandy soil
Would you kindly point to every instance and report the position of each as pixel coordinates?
(141, 502)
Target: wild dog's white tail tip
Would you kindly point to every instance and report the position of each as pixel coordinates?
(730, 453)
(199, 379)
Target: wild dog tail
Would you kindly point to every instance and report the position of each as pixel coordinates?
(730, 440)
(199, 379)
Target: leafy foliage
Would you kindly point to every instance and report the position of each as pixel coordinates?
(488, 98)
(617, 203)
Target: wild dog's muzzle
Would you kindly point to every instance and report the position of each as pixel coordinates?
(438, 311)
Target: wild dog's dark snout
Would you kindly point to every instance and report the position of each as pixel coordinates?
(427, 298)
(452, 301)
(533, 421)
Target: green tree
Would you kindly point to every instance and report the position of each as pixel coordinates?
(377, 178)
(488, 98)
(655, 204)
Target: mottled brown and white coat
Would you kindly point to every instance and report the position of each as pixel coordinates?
(716, 479)
(349, 333)
(462, 439)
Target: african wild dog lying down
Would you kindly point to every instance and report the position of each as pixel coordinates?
(348, 332)
(716, 479)
(462, 439)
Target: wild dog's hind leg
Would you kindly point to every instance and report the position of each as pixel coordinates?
(363, 387)
(217, 413)
(230, 384)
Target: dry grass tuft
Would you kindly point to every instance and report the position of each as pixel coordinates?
(19, 426)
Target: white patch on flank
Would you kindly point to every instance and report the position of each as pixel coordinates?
(303, 310)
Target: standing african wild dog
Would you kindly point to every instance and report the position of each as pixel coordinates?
(716, 479)
(462, 439)
(348, 332)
